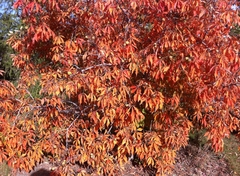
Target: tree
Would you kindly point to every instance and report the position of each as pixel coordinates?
(119, 80)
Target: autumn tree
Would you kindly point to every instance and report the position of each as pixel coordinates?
(119, 80)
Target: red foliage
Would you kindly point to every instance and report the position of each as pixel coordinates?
(119, 79)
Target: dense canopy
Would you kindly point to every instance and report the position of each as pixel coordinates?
(118, 80)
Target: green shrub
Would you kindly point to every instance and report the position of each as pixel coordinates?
(196, 137)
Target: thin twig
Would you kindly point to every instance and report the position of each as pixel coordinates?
(68, 128)
(91, 67)
(67, 133)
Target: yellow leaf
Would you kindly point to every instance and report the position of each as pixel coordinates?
(150, 161)
(58, 40)
(57, 92)
(134, 5)
(166, 68)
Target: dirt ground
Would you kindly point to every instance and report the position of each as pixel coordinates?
(193, 161)
(190, 161)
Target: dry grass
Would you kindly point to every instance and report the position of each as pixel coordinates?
(4, 169)
(232, 154)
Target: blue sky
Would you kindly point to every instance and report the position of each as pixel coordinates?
(4, 6)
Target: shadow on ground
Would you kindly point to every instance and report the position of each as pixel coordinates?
(41, 172)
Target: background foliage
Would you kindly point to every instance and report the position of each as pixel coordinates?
(9, 22)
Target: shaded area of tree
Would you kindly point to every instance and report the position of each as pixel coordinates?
(44, 172)
(41, 172)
